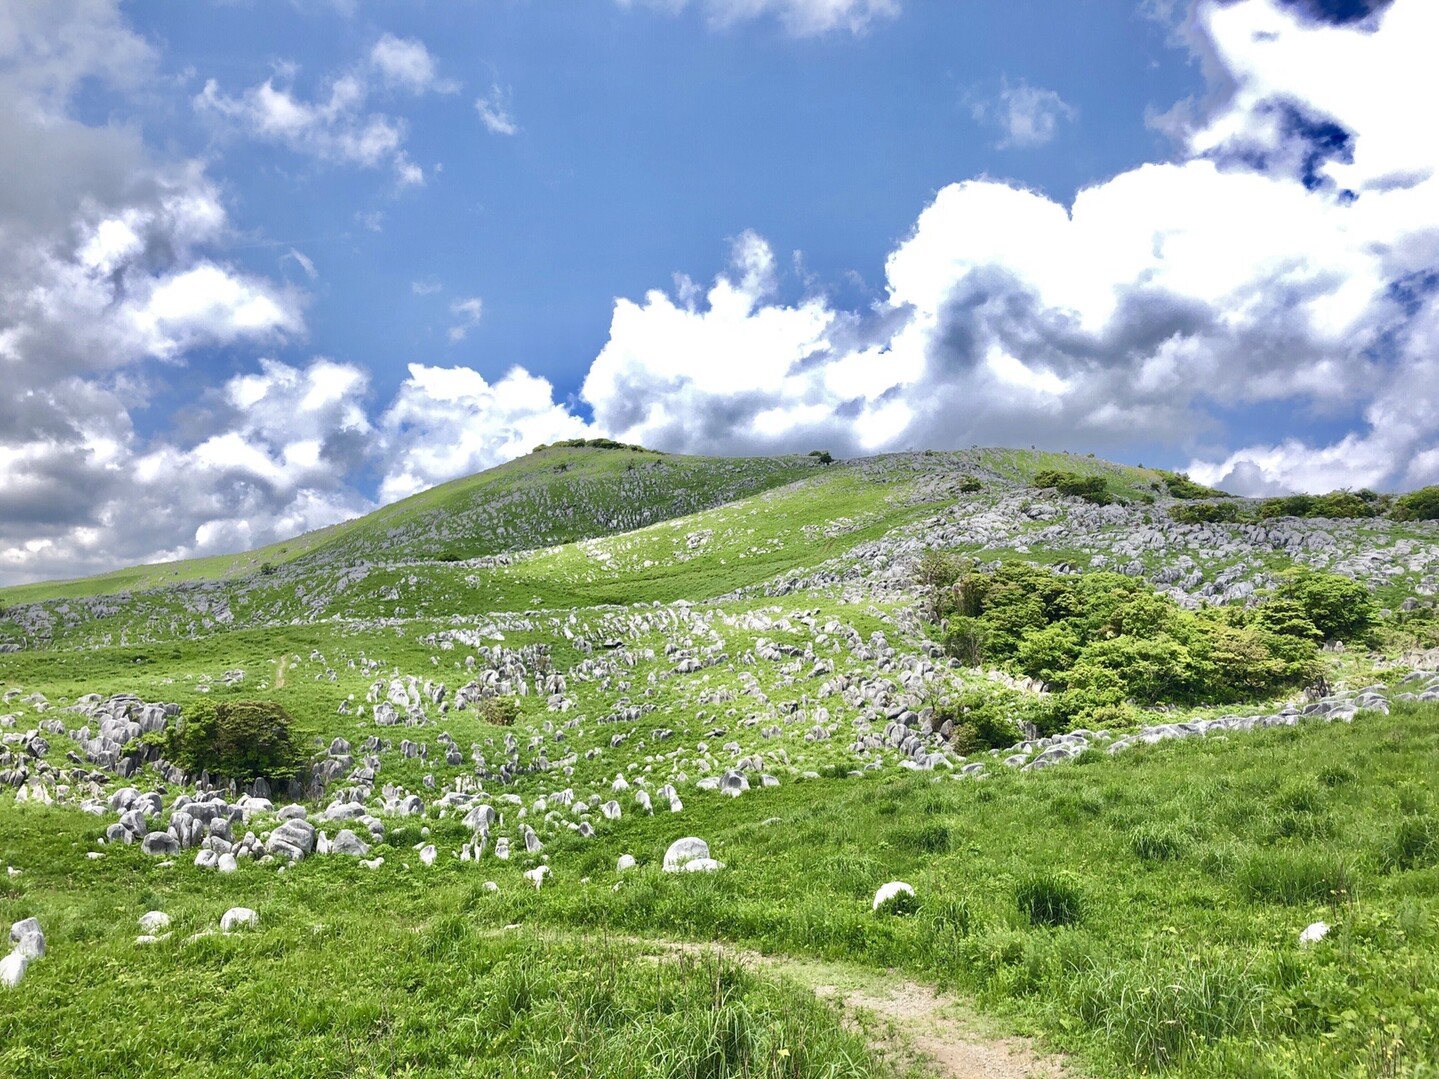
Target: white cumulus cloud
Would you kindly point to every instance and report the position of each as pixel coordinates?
(449, 421)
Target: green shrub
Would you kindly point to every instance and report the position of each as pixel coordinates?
(501, 711)
(980, 723)
(1104, 643)
(1420, 505)
(1049, 900)
(1180, 485)
(1196, 513)
(239, 740)
(1339, 608)
(1090, 488)
(1344, 504)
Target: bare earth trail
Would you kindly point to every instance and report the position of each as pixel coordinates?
(280, 672)
(916, 1029)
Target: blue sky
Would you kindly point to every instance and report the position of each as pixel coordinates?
(645, 143)
(271, 263)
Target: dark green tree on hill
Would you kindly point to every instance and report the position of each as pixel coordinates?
(239, 740)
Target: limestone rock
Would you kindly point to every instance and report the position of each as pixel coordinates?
(238, 918)
(685, 850)
(886, 892)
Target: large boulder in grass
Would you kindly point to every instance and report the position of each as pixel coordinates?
(295, 839)
(347, 842)
(681, 851)
(160, 843)
(238, 918)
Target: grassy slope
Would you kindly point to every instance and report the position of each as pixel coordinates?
(1196, 866)
(1184, 961)
(562, 481)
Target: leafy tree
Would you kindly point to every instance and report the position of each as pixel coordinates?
(239, 740)
(1340, 608)
(1179, 485)
(824, 457)
(979, 722)
(965, 638)
(1195, 513)
(1420, 505)
(936, 575)
(1090, 488)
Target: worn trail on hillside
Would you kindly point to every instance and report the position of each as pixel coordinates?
(915, 1028)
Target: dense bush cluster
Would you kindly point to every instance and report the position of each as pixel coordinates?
(1181, 486)
(1105, 643)
(593, 444)
(501, 711)
(1336, 504)
(1090, 488)
(1420, 505)
(239, 740)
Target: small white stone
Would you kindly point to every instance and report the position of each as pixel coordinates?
(627, 861)
(154, 920)
(1314, 933)
(491, 886)
(888, 891)
(427, 854)
(537, 875)
(239, 918)
(702, 865)
(12, 969)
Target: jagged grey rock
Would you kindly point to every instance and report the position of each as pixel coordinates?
(295, 839)
(160, 844)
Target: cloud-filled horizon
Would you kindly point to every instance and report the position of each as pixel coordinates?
(242, 303)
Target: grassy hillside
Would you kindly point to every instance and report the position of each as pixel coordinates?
(734, 650)
(553, 496)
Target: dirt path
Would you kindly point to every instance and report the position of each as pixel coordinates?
(917, 1030)
(280, 672)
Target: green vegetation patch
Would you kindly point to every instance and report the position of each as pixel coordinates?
(1105, 642)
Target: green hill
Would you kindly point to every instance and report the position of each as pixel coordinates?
(594, 651)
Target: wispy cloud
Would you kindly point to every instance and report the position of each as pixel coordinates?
(1026, 116)
(468, 313)
(495, 112)
(802, 18)
(336, 126)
